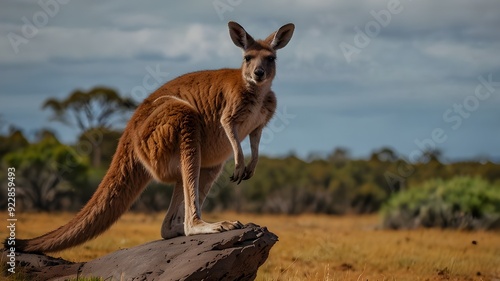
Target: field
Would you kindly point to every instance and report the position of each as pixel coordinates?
(313, 247)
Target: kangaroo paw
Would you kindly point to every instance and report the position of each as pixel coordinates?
(202, 227)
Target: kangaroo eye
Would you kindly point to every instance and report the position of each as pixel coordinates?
(271, 58)
(247, 58)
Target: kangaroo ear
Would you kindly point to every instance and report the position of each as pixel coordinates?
(280, 38)
(239, 36)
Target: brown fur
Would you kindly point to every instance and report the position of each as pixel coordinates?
(183, 133)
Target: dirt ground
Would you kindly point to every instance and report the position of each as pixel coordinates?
(318, 247)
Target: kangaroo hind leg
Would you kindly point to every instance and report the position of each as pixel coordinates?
(173, 224)
(190, 159)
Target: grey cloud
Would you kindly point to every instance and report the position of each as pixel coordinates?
(426, 59)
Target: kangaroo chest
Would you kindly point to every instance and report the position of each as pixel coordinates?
(250, 114)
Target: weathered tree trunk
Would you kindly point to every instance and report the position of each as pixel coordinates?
(231, 255)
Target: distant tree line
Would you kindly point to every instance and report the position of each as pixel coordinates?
(52, 176)
(291, 185)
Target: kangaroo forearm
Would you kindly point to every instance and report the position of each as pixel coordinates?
(254, 143)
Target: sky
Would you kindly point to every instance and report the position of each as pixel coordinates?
(409, 75)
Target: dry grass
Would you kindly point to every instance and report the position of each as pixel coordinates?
(319, 247)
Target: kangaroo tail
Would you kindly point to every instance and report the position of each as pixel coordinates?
(124, 181)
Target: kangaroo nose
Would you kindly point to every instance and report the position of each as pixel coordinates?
(259, 72)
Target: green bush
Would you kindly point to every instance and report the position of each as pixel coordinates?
(460, 203)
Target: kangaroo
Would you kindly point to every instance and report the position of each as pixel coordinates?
(183, 133)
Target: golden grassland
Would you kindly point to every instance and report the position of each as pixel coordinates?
(318, 247)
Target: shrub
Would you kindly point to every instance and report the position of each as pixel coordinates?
(460, 203)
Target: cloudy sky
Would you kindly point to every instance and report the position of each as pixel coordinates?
(357, 74)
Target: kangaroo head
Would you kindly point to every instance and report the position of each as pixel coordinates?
(259, 56)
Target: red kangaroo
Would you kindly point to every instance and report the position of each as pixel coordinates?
(183, 133)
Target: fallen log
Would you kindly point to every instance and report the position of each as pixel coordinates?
(231, 255)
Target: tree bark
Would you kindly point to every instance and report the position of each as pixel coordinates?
(231, 255)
